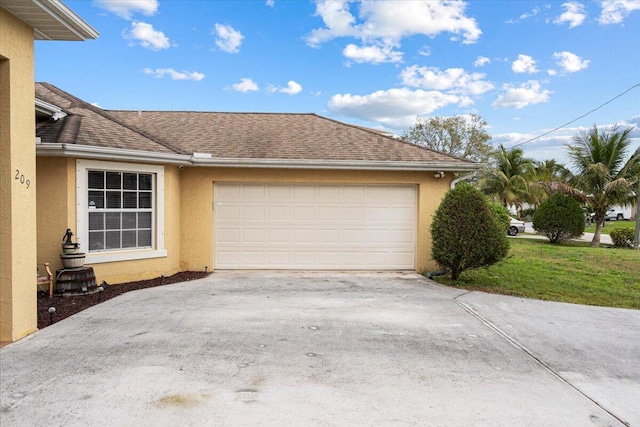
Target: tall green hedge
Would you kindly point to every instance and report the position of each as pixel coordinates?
(465, 232)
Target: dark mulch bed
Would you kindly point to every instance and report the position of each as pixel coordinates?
(70, 305)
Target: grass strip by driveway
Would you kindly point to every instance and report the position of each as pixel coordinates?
(610, 225)
(571, 272)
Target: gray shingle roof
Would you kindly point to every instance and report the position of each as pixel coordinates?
(228, 135)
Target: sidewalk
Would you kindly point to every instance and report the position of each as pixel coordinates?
(586, 237)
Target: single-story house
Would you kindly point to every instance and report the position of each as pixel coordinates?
(157, 192)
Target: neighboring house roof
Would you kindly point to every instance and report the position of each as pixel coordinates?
(51, 19)
(232, 139)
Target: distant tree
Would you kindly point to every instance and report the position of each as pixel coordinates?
(601, 176)
(506, 180)
(465, 232)
(541, 182)
(460, 136)
(559, 218)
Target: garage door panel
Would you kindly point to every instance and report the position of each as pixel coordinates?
(354, 236)
(304, 226)
(353, 213)
(225, 212)
(378, 194)
(327, 193)
(278, 258)
(403, 214)
(229, 258)
(303, 213)
(328, 235)
(278, 213)
(253, 213)
(303, 236)
(304, 193)
(377, 213)
(328, 213)
(228, 235)
(403, 236)
(253, 258)
(354, 193)
(253, 192)
(279, 192)
(252, 235)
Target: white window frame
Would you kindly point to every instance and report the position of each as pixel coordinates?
(82, 211)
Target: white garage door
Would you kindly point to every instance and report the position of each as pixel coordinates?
(305, 226)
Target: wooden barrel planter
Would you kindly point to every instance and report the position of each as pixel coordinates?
(76, 281)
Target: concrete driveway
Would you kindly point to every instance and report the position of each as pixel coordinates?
(241, 348)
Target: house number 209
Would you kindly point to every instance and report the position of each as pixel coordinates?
(20, 177)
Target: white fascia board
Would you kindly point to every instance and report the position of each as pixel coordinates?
(66, 17)
(334, 164)
(104, 153)
(90, 152)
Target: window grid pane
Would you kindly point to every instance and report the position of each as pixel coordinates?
(120, 210)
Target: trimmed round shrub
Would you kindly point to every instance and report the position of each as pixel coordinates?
(622, 237)
(465, 232)
(501, 213)
(559, 218)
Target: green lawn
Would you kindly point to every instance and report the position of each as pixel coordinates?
(610, 225)
(570, 272)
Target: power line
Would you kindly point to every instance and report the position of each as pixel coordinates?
(578, 118)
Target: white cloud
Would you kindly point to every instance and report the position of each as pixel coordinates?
(270, 3)
(245, 85)
(525, 15)
(126, 8)
(524, 64)
(518, 97)
(574, 14)
(570, 62)
(229, 39)
(615, 11)
(481, 61)
(372, 54)
(425, 51)
(293, 88)
(391, 21)
(175, 75)
(396, 108)
(552, 72)
(147, 36)
(455, 80)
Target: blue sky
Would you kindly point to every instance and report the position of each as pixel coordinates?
(525, 66)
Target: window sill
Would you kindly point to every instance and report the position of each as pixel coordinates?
(100, 257)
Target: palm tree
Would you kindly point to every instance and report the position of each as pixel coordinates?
(602, 178)
(545, 174)
(507, 180)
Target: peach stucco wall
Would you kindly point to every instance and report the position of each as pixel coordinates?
(17, 199)
(57, 211)
(197, 202)
(188, 211)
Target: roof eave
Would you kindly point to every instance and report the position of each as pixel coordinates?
(105, 153)
(49, 109)
(59, 15)
(336, 164)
